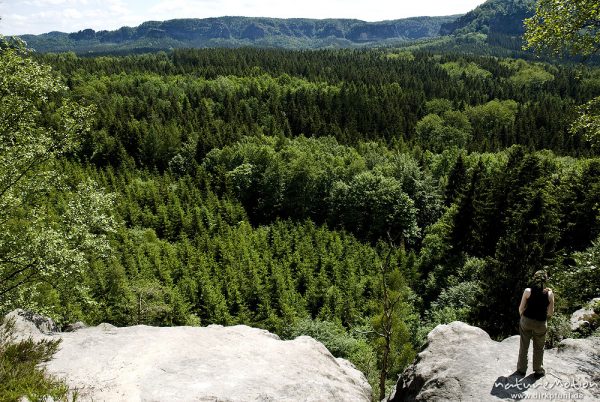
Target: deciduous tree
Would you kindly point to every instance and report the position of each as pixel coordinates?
(48, 227)
(564, 25)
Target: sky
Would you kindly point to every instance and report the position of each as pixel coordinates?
(40, 16)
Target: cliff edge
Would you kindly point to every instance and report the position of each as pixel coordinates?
(214, 363)
(462, 363)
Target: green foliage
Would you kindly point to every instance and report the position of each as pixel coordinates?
(197, 258)
(460, 297)
(530, 212)
(19, 372)
(492, 118)
(493, 17)
(253, 187)
(500, 202)
(169, 110)
(462, 69)
(574, 27)
(587, 123)
(372, 205)
(402, 55)
(352, 345)
(580, 283)
(561, 25)
(438, 106)
(559, 328)
(456, 181)
(436, 248)
(527, 74)
(48, 226)
(455, 294)
(452, 129)
(327, 182)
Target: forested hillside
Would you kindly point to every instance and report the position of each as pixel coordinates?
(302, 192)
(494, 28)
(292, 33)
(501, 21)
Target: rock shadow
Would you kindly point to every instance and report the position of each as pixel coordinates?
(512, 387)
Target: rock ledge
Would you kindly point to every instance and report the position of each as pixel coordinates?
(239, 363)
(462, 363)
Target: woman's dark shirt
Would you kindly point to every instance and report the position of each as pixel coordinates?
(537, 304)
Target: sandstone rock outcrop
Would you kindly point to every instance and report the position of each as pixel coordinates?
(28, 323)
(581, 318)
(214, 363)
(462, 363)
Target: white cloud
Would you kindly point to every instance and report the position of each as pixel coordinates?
(180, 6)
(39, 16)
(45, 3)
(72, 14)
(117, 7)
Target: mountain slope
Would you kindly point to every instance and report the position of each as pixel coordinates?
(241, 31)
(500, 20)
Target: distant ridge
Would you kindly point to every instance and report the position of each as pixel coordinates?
(500, 20)
(494, 27)
(293, 33)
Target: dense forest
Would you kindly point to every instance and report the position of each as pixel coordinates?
(304, 192)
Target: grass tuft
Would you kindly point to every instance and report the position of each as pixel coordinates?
(20, 374)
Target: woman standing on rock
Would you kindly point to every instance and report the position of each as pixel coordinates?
(537, 304)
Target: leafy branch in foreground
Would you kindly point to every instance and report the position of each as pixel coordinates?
(48, 227)
(571, 26)
(564, 25)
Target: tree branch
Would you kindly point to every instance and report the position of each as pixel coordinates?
(16, 285)
(17, 272)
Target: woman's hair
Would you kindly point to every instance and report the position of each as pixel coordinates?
(539, 278)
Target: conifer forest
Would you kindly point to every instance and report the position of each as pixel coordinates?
(359, 196)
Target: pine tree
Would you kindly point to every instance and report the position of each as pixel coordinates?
(456, 181)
